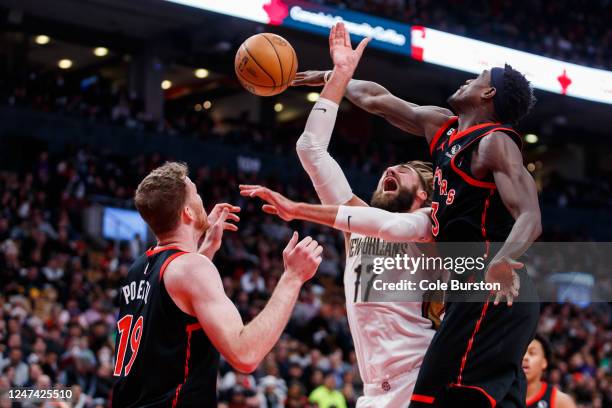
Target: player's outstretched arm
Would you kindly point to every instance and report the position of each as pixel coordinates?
(327, 177)
(374, 98)
(369, 221)
(194, 284)
(518, 191)
(418, 120)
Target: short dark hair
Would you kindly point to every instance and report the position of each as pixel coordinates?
(545, 347)
(161, 196)
(518, 96)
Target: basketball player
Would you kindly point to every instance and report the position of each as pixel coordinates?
(390, 338)
(483, 194)
(540, 394)
(174, 317)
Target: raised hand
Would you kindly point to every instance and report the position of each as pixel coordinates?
(302, 259)
(278, 204)
(218, 210)
(502, 271)
(342, 54)
(218, 219)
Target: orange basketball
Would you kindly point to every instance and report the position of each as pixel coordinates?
(265, 64)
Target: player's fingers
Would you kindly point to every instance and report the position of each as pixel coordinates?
(270, 209)
(510, 299)
(230, 207)
(223, 216)
(347, 38)
(229, 227)
(318, 260)
(318, 251)
(304, 242)
(233, 217)
(498, 297)
(339, 33)
(291, 243)
(362, 44)
(516, 264)
(313, 244)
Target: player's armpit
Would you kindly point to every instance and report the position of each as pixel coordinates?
(194, 284)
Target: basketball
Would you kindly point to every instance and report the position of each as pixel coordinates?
(265, 64)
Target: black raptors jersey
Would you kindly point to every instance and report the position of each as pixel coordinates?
(163, 357)
(465, 209)
(545, 398)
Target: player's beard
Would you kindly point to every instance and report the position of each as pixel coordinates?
(400, 202)
(201, 222)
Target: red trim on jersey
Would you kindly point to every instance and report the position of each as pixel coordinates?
(439, 132)
(483, 223)
(426, 399)
(458, 135)
(553, 397)
(473, 387)
(466, 177)
(167, 262)
(190, 328)
(157, 250)
(176, 395)
(471, 343)
(539, 395)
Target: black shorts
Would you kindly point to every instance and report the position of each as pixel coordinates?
(475, 358)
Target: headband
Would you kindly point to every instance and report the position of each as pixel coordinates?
(497, 82)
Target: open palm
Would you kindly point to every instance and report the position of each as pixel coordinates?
(340, 49)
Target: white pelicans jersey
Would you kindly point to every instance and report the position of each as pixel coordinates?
(390, 337)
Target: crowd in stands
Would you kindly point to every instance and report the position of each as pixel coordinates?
(58, 293)
(360, 151)
(569, 30)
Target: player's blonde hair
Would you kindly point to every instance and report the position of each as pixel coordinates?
(161, 196)
(425, 172)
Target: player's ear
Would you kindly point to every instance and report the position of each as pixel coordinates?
(187, 214)
(422, 195)
(488, 93)
(544, 364)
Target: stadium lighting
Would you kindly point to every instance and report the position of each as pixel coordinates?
(201, 73)
(278, 107)
(42, 39)
(531, 138)
(312, 96)
(64, 63)
(207, 105)
(531, 167)
(197, 107)
(100, 51)
(166, 84)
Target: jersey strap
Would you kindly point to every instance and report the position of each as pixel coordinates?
(485, 130)
(442, 130)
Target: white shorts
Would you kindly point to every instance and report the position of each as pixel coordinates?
(393, 393)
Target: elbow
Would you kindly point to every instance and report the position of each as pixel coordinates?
(244, 368)
(537, 227)
(245, 362)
